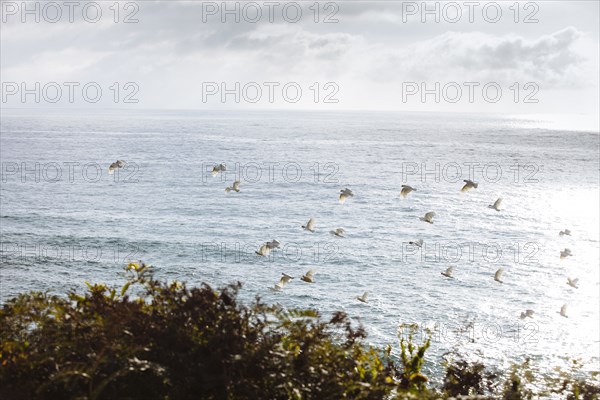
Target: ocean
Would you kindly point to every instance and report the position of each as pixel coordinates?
(65, 219)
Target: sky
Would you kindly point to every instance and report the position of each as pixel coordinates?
(505, 57)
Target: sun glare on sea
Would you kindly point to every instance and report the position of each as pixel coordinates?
(564, 122)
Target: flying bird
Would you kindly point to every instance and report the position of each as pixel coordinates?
(469, 184)
(235, 187)
(565, 253)
(285, 278)
(563, 311)
(308, 277)
(418, 243)
(264, 250)
(406, 190)
(527, 314)
(116, 165)
(310, 225)
(344, 194)
(498, 275)
(428, 217)
(448, 272)
(339, 232)
(574, 283)
(218, 168)
(565, 232)
(363, 298)
(496, 205)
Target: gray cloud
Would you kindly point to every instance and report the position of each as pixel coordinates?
(171, 49)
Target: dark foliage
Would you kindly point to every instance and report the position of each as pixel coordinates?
(169, 341)
(178, 343)
(468, 378)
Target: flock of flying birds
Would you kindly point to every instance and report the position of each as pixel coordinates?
(265, 249)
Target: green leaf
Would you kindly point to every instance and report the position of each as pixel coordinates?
(125, 287)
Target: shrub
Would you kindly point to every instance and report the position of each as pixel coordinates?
(178, 343)
(157, 340)
(468, 378)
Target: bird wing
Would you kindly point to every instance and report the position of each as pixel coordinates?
(310, 273)
(529, 313)
(563, 309)
(365, 295)
(120, 163)
(236, 185)
(311, 223)
(466, 187)
(284, 280)
(449, 270)
(429, 216)
(497, 203)
(405, 190)
(343, 197)
(575, 281)
(273, 244)
(498, 274)
(340, 231)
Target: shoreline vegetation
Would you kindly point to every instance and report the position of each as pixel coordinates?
(168, 341)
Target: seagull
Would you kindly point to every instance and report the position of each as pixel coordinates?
(344, 194)
(264, 250)
(310, 225)
(418, 243)
(285, 278)
(363, 298)
(274, 244)
(339, 232)
(573, 282)
(406, 190)
(448, 272)
(469, 184)
(428, 217)
(527, 313)
(116, 165)
(565, 232)
(235, 187)
(496, 205)
(218, 168)
(565, 253)
(308, 277)
(498, 275)
(563, 311)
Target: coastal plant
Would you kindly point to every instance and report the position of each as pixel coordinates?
(150, 339)
(412, 356)
(158, 340)
(464, 377)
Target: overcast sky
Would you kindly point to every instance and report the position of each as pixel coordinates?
(373, 56)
